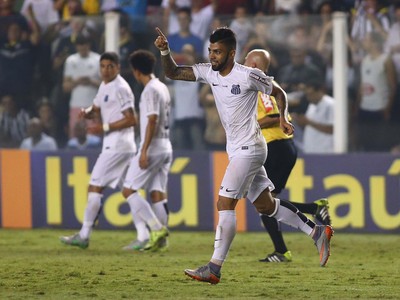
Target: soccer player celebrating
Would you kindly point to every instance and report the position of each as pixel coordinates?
(235, 88)
(114, 102)
(149, 168)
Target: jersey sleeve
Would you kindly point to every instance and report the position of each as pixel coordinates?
(125, 98)
(152, 102)
(259, 81)
(200, 72)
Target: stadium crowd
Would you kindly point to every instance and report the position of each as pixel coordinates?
(50, 49)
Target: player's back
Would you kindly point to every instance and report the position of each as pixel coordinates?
(155, 99)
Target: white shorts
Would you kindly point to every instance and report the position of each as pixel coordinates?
(154, 178)
(245, 175)
(110, 169)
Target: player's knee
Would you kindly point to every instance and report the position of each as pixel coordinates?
(225, 203)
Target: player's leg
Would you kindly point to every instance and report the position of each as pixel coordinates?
(137, 178)
(283, 211)
(319, 209)
(282, 155)
(237, 179)
(158, 187)
(107, 171)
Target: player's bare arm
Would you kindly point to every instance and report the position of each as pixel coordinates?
(281, 100)
(150, 131)
(171, 69)
(269, 121)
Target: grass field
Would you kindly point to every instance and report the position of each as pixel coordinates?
(34, 265)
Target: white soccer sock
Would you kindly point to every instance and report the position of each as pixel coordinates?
(142, 231)
(142, 208)
(161, 211)
(224, 235)
(284, 213)
(92, 210)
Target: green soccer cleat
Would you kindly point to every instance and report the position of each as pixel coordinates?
(322, 213)
(278, 257)
(156, 238)
(136, 245)
(163, 245)
(75, 240)
(322, 237)
(204, 274)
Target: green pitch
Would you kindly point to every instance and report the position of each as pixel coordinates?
(35, 265)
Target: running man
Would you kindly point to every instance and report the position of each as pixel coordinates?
(114, 102)
(282, 155)
(150, 167)
(235, 88)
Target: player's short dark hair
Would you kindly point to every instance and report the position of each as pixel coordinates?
(225, 36)
(110, 56)
(142, 60)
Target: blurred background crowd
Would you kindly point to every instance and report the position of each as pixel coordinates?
(50, 49)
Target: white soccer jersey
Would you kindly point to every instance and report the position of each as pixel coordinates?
(113, 98)
(155, 100)
(236, 101)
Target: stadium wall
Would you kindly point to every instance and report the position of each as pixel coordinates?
(48, 190)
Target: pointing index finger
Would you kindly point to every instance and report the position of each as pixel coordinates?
(160, 33)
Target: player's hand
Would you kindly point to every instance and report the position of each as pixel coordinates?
(82, 114)
(143, 160)
(287, 127)
(161, 41)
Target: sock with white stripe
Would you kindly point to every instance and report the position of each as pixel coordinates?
(287, 213)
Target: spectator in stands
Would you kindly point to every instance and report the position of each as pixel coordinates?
(243, 27)
(83, 140)
(13, 122)
(375, 96)
(292, 78)
(81, 78)
(292, 75)
(44, 12)
(392, 46)
(367, 16)
(184, 36)
(318, 119)
(17, 63)
(214, 135)
(69, 8)
(9, 15)
(37, 139)
(46, 116)
(188, 126)
(170, 14)
(202, 17)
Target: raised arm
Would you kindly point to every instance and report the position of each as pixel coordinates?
(171, 69)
